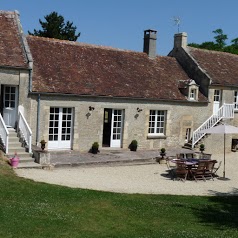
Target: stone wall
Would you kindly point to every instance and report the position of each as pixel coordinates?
(88, 126)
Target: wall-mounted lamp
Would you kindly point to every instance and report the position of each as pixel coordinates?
(139, 109)
(91, 108)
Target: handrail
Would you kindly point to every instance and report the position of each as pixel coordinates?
(25, 130)
(225, 111)
(4, 134)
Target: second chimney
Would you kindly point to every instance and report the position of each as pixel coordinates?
(150, 43)
(180, 40)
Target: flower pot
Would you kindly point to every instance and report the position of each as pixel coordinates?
(133, 148)
(42, 146)
(14, 162)
(94, 150)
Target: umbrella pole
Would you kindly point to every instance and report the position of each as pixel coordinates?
(224, 156)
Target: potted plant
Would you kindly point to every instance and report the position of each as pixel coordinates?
(162, 152)
(202, 148)
(42, 142)
(95, 147)
(133, 146)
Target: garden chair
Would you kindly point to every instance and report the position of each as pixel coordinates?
(180, 156)
(189, 155)
(198, 173)
(181, 171)
(216, 168)
(171, 166)
(208, 174)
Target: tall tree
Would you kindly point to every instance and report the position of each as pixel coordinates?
(220, 38)
(219, 44)
(55, 27)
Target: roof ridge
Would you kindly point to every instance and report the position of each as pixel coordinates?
(212, 51)
(81, 44)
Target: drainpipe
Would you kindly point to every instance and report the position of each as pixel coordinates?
(30, 80)
(38, 119)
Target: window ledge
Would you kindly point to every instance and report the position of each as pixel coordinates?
(156, 137)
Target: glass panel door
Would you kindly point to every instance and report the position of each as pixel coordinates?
(116, 129)
(216, 101)
(60, 128)
(10, 105)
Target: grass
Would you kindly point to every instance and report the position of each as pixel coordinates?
(30, 209)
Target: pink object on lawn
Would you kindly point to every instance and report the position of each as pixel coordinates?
(14, 161)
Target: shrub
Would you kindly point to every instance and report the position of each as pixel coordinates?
(133, 146)
(95, 147)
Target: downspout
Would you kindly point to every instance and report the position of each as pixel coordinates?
(38, 119)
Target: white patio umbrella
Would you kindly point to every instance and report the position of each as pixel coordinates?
(222, 129)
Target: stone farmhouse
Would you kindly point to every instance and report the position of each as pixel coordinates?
(72, 94)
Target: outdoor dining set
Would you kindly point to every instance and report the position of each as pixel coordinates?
(190, 167)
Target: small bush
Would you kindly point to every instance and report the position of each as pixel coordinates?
(95, 147)
(133, 146)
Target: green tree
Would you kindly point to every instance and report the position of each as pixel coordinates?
(220, 38)
(55, 27)
(219, 44)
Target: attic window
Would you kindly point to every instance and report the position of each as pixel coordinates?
(193, 94)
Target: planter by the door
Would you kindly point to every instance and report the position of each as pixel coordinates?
(42, 142)
(95, 147)
(133, 146)
(14, 161)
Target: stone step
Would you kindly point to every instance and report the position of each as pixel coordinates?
(14, 142)
(26, 159)
(29, 165)
(18, 150)
(19, 154)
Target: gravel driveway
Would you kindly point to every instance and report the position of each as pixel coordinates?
(144, 179)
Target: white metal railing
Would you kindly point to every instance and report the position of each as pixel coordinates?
(4, 134)
(24, 131)
(225, 111)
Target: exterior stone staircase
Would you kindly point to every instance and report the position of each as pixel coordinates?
(26, 160)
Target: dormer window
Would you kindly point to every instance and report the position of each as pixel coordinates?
(189, 88)
(193, 91)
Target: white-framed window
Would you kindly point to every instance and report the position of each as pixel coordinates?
(217, 95)
(157, 122)
(236, 100)
(193, 94)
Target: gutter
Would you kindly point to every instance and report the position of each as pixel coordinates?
(111, 97)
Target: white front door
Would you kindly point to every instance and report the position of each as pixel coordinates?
(216, 101)
(116, 128)
(10, 95)
(60, 128)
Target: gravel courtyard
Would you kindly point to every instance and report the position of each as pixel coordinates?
(143, 179)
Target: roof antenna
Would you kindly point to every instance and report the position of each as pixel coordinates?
(177, 22)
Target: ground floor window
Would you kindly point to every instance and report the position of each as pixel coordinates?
(60, 128)
(157, 122)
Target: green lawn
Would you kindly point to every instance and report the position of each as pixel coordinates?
(30, 209)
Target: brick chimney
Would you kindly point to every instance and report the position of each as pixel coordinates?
(180, 40)
(150, 37)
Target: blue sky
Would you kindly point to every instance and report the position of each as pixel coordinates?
(121, 23)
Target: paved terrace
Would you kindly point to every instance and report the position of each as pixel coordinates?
(108, 156)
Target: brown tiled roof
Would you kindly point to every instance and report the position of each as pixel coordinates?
(11, 49)
(76, 68)
(222, 67)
